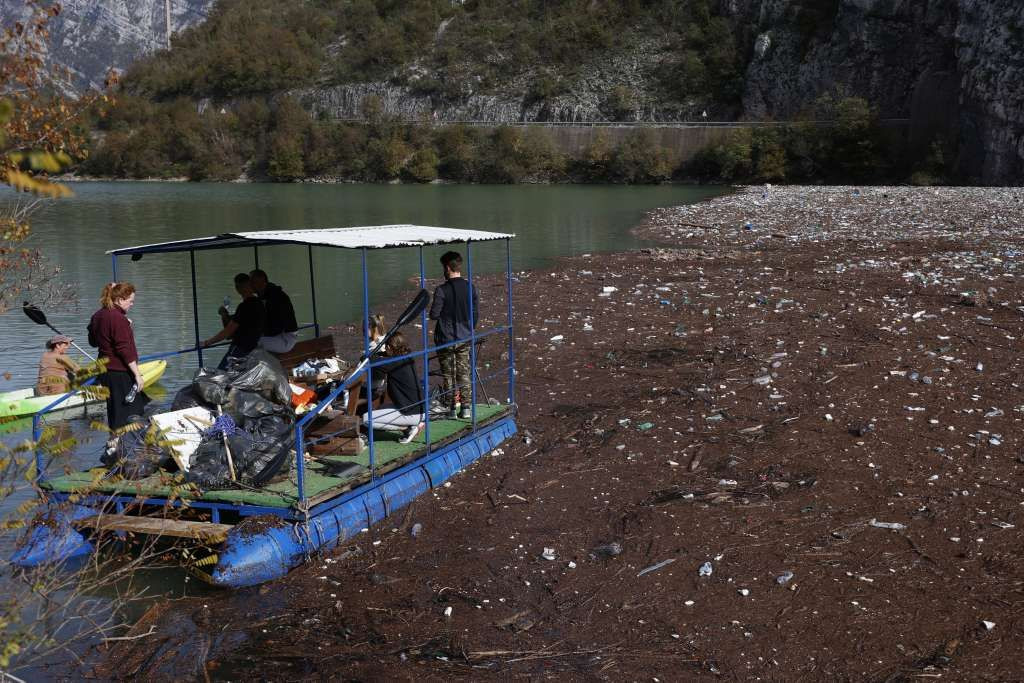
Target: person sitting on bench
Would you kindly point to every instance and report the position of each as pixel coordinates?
(244, 327)
(405, 391)
(279, 326)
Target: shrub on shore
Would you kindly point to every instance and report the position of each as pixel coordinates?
(277, 140)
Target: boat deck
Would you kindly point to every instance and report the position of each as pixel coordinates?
(320, 484)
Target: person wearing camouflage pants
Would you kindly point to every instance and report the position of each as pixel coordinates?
(451, 309)
(455, 377)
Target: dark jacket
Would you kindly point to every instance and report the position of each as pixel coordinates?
(111, 332)
(404, 387)
(450, 309)
(280, 313)
(249, 316)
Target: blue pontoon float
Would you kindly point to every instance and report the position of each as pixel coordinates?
(314, 509)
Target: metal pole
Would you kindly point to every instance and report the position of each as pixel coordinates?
(426, 361)
(472, 336)
(369, 371)
(511, 335)
(300, 466)
(312, 292)
(195, 306)
(256, 257)
(167, 19)
(36, 433)
(113, 265)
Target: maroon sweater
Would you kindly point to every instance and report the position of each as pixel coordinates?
(111, 332)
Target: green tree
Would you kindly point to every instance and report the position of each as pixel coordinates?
(422, 167)
(639, 159)
(285, 157)
(386, 157)
(459, 150)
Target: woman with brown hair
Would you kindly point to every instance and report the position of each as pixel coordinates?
(405, 391)
(110, 331)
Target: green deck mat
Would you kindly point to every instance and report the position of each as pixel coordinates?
(284, 493)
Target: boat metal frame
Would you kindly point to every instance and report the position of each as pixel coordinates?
(437, 463)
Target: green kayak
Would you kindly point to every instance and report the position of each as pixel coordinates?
(24, 402)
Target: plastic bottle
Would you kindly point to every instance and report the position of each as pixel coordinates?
(227, 303)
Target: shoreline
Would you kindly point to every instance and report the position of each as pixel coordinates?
(322, 180)
(756, 399)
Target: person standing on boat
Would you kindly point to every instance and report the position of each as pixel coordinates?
(110, 331)
(279, 325)
(245, 327)
(56, 369)
(405, 391)
(450, 308)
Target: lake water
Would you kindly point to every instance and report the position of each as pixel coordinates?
(74, 233)
(549, 221)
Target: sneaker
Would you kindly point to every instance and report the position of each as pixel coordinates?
(465, 414)
(410, 433)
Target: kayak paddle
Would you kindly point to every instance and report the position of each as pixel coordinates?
(39, 318)
(412, 310)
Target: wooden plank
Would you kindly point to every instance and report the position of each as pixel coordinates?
(336, 425)
(157, 526)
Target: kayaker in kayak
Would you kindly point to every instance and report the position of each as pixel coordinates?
(244, 327)
(56, 368)
(110, 331)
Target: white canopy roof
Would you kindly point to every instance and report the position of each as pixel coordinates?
(370, 237)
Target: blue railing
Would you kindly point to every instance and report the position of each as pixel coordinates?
(366, 374)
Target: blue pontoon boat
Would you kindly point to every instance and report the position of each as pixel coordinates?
(245, 536)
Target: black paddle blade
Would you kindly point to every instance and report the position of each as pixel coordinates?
(34, 314)
(414, 308)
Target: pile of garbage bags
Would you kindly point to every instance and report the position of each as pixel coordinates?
(255, 423)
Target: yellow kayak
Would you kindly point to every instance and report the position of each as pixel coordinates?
(24, 402)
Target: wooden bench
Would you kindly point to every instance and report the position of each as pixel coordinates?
(307, 349)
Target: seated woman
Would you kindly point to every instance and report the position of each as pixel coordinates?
(405, 391)
(244, 327)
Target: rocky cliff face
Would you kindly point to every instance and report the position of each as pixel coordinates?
(955, 68)
(90, 37)
(990, 61)
(588, 99)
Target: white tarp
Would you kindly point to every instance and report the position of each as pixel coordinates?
(183, 430)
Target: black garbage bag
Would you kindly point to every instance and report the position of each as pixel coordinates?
(259, 452)
(138, 452)
(209, 469)
(248, 405)
(272, 438)
(262, 373)
(188, 398)
(212, 387)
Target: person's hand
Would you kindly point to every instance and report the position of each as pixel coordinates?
(205, 343)
(223, 310)
(138, 380)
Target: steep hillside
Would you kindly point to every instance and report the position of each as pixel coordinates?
(90, 37)
(953, 67)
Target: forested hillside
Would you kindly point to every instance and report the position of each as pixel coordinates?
(288, 89)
